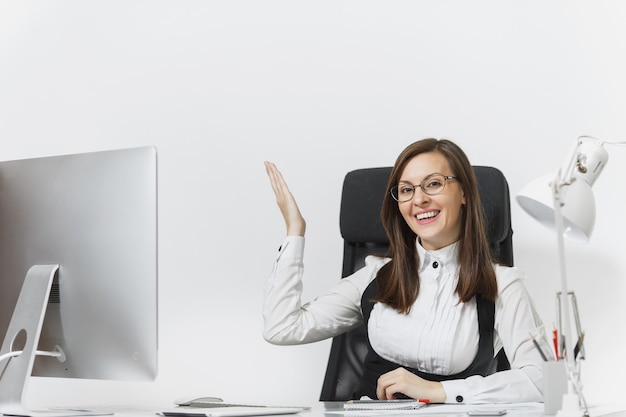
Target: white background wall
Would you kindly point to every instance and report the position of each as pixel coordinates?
(320, 88)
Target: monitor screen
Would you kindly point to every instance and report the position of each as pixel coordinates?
(95, 216)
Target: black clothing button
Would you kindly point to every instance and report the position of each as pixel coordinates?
(459, 398)
(435, 264)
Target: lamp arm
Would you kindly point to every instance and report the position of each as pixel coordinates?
(564, 304)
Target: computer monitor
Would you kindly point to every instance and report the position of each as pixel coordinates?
(78, 240)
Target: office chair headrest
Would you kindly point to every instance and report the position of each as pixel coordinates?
(361, 200)
(364, 189)
(494, 197)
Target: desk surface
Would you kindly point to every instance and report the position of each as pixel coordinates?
(449, 410)
(440, 410)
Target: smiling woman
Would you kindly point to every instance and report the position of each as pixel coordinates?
(432, 308)
(434, 212)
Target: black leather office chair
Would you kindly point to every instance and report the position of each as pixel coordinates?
(363, 235)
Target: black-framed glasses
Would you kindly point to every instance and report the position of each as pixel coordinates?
(432, 184)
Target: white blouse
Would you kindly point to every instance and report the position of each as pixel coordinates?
(443, 337)
(439, 335)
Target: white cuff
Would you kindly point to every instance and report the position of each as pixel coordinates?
(292, 248)
(457, 392)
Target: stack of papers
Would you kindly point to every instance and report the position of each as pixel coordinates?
(513, 409)
(383, 405)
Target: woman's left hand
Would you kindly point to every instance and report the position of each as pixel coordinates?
(402, 381)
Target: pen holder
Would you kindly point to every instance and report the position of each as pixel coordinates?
(554, 385)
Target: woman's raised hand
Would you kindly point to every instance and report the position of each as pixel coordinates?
(294, 221)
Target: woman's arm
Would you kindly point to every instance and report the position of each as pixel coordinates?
(289, 321)
(286, 319)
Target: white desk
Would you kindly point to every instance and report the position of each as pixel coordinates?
(439, 410)
(453, 410)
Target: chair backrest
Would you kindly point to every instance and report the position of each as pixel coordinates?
(363, 234)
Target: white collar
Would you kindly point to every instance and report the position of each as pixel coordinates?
(445, 255)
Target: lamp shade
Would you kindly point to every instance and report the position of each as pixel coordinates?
(578, 206)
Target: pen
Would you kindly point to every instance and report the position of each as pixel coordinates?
(555, 342)
(543, 355)
(579, 346)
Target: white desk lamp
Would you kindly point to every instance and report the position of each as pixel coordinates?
(564, 202)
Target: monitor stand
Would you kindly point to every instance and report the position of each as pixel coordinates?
(20, 344)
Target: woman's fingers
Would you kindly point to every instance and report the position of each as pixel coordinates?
(294, 221)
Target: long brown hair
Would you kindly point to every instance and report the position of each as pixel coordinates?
(399, 280)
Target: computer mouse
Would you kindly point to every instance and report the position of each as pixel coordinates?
(197, 399)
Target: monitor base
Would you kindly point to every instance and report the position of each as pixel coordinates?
(19, 347)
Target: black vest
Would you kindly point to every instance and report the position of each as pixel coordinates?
(374, 366)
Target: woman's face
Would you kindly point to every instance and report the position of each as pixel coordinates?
(436, 219)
